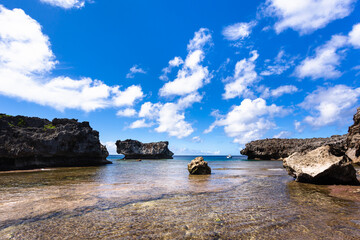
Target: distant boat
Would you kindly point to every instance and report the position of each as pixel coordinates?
(229, 156)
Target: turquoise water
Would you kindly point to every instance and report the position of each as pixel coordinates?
(157, 199)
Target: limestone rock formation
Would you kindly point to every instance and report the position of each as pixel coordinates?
(30, 142)
(321, 166)
(133, 149)
(353, 139)
(199, 167)
(278, 149)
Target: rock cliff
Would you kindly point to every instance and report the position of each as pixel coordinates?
(278, 149)
(30, 142)
(133, 149)
(353, 139)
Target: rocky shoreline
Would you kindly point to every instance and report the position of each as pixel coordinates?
(31, 142)
(133, 149)
(279, 149)
(315, 160)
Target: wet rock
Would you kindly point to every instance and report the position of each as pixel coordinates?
(353, 139)
(278, 149)
(199, 167)
(321, 166)
(133, 149)
(30, 142)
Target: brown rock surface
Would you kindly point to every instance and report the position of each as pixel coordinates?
(321, 166)
(353, 139)
(199, 167)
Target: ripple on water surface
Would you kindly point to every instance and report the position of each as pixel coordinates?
(158, 199)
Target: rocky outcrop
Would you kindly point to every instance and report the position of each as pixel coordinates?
(133, 149)
(30, 142)
(199, 167)
(278, 149)
(321, 166)
(353, 139)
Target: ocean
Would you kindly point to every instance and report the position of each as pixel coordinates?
(158, 199)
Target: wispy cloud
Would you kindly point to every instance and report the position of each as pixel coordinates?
(238, 31)
(134, 70)
(280, 64)
(67, 4)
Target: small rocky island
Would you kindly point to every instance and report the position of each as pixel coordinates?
(315, 160)
(31, 142)
(133, 149)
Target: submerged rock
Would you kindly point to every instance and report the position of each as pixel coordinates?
(133, 149)
(353, 139)
(199, 167)
(278, 149)
(30, 142)
(321, 166)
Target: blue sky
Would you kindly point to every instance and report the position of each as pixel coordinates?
(208, 76)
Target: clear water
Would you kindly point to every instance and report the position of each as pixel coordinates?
(157, 199)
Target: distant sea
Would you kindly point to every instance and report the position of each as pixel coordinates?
(158, 199)
(190, 157)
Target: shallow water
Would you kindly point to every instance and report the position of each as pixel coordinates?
(157, 199)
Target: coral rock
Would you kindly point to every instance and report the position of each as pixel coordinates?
(199, 167)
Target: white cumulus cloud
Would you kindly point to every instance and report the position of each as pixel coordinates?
(26, 61)
(354, 36)
(192, 75)
(325, 62)
(244, 77)
(332, 105)
(328, 57)
(141, 123)
(306, 16)
(170, 117)
(248, 121)
(128, 96)
(67, 4)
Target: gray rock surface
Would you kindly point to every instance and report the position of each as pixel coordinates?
(278, 149)
(30, 142)
(199, 167)
(133, 149)
(353, 139)
(321, 166)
